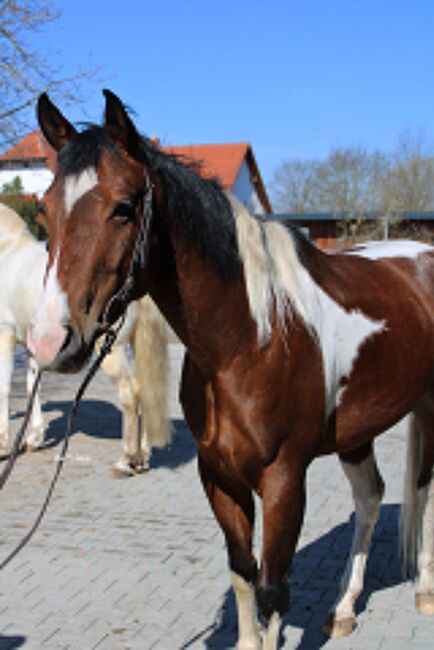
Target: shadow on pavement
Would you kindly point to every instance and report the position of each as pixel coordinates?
(181, 450)
(315, 577)
(11, 642)
(100, 419)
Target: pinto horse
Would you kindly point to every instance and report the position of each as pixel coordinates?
(291, 352)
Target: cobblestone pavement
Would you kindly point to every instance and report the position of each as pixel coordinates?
(140, 563)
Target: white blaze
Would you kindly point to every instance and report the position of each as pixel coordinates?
(77, 186)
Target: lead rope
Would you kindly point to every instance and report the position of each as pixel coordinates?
(139, 256)
(110, 338)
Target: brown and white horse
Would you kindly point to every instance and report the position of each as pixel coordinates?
(291, 353)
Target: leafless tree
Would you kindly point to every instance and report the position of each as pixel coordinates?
(348, 182)
(26, 71)
(293, 186)
(409, 185)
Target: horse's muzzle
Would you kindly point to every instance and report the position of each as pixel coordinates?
(67, 355)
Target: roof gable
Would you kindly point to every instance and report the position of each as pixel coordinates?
(224, 161)
(32, 147)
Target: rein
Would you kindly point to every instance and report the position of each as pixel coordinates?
(123, 296)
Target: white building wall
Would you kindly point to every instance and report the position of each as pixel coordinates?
(245, 191)
(35, 180)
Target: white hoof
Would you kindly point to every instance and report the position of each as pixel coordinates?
(425, 603)
(122, 469)
(337, 628)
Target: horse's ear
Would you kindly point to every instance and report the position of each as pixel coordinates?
(120, 126)
(54, 126)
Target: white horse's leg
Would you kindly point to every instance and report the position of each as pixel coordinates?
(368, 488)
(417, 512)
(149, 344)
(425, 560)
(271, 633)
(248, 632)
(35, 429)
(7, 348)
(118, 368)
(417, 520)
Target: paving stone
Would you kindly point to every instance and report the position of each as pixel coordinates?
(140, 563)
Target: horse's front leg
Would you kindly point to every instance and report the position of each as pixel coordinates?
(234, 511)
(35, 430)
(7, 347)
(283, 496)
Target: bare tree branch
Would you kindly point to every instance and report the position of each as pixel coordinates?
(26, 71)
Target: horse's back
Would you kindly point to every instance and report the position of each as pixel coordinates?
(412, 262)
(22, 264)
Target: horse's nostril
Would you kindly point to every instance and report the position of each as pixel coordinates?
(68, 337)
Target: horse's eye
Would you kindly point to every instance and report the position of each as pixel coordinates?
(123, 212)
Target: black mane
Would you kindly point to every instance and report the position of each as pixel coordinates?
(84, 150)
(198, 206)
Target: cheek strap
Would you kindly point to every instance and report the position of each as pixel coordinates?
(123, 297)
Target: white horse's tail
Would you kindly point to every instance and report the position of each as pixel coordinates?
(151, 363)
(410, 525)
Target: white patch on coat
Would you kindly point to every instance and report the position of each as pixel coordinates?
(248, 630)
(395, 248)
(77, 185)
(47, 330)
(274, 275)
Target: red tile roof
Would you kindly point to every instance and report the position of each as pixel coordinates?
(224, 162)
(215, 160)
(32, 147)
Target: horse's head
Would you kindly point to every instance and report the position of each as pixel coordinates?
(92, 213)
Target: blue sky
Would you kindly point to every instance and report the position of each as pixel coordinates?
(293, 78)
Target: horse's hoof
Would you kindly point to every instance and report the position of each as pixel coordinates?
(336, 628)
(425, 603)
(38, 446)
(141, 468)
(122, 471)
(5, 451)
(250, 645)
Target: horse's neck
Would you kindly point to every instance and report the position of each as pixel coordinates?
(196, 301)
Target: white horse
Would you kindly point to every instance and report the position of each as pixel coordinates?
(142, 389)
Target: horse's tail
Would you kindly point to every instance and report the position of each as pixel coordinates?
(151, 367)
(410, 525)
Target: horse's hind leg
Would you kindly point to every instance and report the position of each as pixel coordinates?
(235, 514)
(35, 430)
(417, 519)
(118, 368)
(7, 347)
(425, 585)
(149, 342)
(368, 488)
